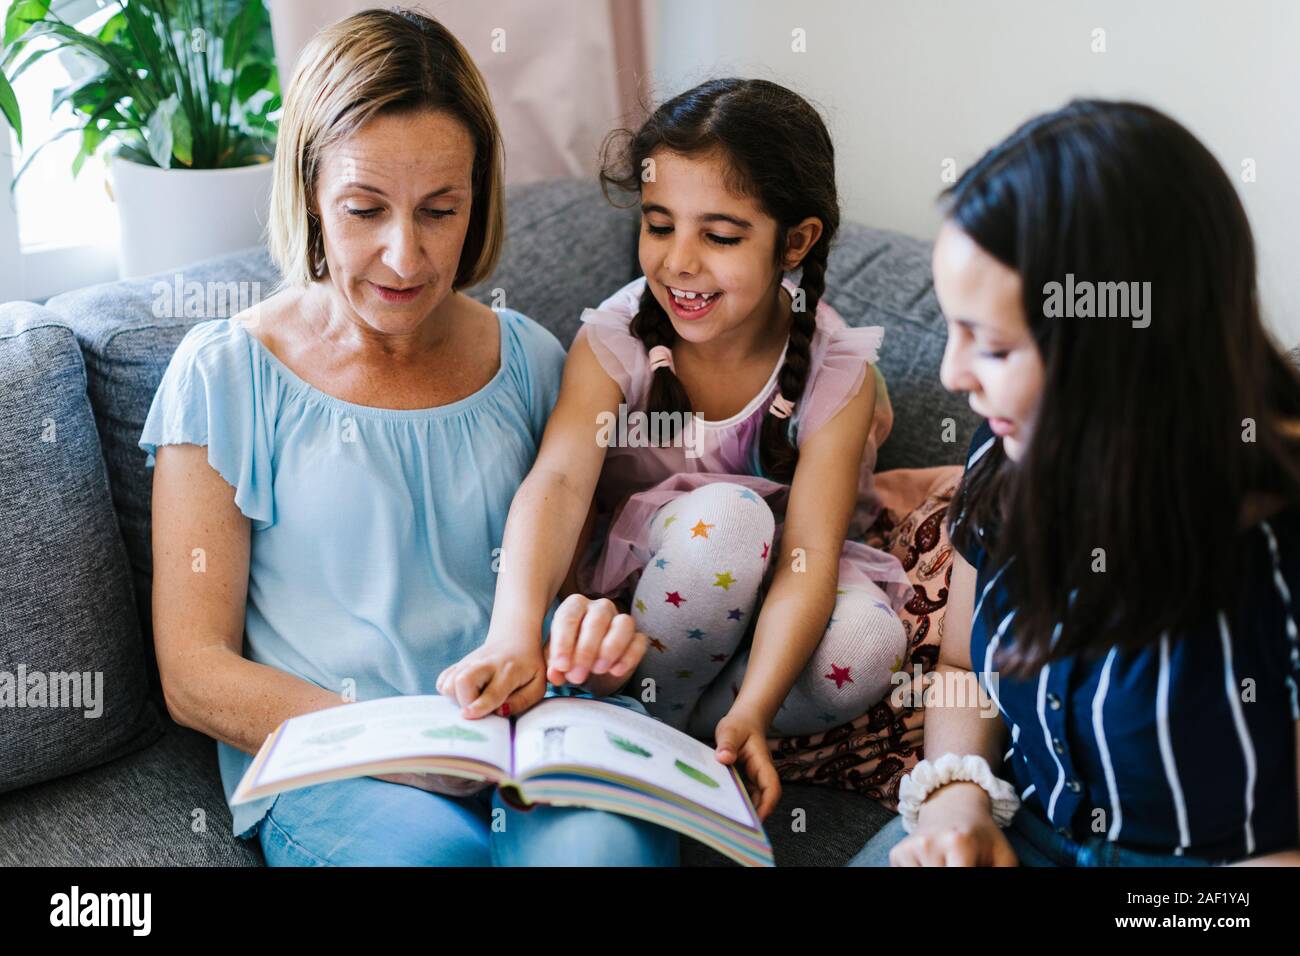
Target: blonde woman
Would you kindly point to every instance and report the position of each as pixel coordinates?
(346, 454)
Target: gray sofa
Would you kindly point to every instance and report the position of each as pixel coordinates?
(109, 778)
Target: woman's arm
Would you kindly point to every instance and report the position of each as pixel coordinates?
(955, 825)
(198, 619)
(198, 615)
(959, 718)
(799, 603)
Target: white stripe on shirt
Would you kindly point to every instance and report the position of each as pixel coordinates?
(988, 686)
(988, 664)
(1243, 732)
(975, 615)
(1047, 737)
(1098, 728)
(979, 452)
(1015, 739)
(1285, 592)
(1167, 749)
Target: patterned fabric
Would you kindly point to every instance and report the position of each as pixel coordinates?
(872, 753)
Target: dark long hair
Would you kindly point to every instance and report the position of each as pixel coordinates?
(1140, 444)
(779, 153)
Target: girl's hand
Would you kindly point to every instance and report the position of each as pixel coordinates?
(955, 828)
(590, 638)
(742, 736)
(436, 783)
(508, 678)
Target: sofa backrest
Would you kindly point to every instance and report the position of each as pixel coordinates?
(73, 687)
(566, 249)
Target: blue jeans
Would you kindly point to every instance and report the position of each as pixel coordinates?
(362, 821)
(1037, 844)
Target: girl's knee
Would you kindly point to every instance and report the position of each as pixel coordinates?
(721, 515)
(864, 645)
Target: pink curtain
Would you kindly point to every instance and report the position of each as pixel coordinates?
(562, 73)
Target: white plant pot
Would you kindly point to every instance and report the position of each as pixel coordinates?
(174, 217)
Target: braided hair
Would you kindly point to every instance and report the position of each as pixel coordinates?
(778, 152)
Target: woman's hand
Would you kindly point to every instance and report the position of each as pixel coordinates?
(447, 785)
(590, 640)
(508, 677)
(742, 736)
(955, 828)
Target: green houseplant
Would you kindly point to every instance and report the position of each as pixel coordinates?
(185, 87)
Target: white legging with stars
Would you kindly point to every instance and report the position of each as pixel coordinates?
(709, 552)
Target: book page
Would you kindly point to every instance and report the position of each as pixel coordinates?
(608, 737)
(384, 729)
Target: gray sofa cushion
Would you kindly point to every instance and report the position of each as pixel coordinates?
(161, 807)
(127, 332)
(878, 277)
(68, 626)
(566, 250)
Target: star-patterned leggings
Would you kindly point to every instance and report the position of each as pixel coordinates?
(709, 552)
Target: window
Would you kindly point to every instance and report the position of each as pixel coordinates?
(56, 232)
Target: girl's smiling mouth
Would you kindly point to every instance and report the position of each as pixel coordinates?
(692, 305)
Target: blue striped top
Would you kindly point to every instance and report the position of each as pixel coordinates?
(1185, 747)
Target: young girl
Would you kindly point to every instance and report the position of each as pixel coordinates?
(1129, 521)
(756, 494)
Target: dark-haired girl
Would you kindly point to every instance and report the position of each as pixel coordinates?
(1128, 527)
(718, 426)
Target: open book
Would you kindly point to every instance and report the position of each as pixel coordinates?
(563, 751)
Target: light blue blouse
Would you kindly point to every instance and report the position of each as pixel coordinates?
(375, 531)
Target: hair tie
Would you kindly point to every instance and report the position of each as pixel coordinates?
(661, 357)
(781, 406)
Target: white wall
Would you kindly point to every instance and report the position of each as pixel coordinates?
(903, 85)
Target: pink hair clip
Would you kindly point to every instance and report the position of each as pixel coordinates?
(661, 357)
(781, 407)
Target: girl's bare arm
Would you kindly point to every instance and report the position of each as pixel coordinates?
(799, 603)
(552, 508)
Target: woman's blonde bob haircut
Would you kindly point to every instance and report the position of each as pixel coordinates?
(379, 61)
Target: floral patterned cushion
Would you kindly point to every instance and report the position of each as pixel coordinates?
(872, 753)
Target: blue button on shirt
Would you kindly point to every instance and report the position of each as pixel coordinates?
(375, 532)
(1157, 749)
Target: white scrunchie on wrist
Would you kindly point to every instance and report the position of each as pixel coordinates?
(927, 777)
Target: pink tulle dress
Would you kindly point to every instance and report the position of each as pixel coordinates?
(636, 481)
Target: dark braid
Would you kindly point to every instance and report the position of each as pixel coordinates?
(653, 327)
(778, 454)
(779, 153)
